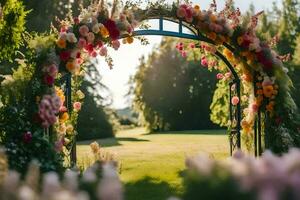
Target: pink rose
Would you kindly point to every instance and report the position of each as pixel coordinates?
(90, 37)
(184, 54)
(192, 45)
(116, 44)
(59, 145)
(93, 54)
(81, 43)
(220, 76)
(63, 109)
(235, 100)
(77, 106)
(204, 62)
(103, 51)
(84, 30)
(52, 70)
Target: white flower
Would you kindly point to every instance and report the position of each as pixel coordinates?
(51, 184)
(71, 38)
(89, 176)
(26, 193)
(63, 36)
(110, 187)
(96, 28)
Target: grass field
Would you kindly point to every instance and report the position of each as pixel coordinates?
(152, 164)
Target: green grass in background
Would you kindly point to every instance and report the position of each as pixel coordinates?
(151, 165)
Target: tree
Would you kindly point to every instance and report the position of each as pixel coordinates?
(171, 93)
(95, 120)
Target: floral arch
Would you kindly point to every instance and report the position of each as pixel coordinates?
(261, 103)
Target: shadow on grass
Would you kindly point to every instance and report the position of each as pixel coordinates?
(192, 132)
(148, 189)
(109, 142)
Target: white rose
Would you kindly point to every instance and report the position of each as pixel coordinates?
(71, 38)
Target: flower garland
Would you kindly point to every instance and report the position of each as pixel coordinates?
(261, 69)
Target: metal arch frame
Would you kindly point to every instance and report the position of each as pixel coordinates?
(235, 112)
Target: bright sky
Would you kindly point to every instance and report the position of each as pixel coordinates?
(126, 59)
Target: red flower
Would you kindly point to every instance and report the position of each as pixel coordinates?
(78, 55)
(27, 137)
(112, 29)
(65, 55)
(99, 44)
(278, 121)
(49, 80)
(89, 47)
(76, 20)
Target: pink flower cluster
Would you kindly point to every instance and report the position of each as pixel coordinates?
(269, 177)
(50, 73)
(187, 12)
(48, 109)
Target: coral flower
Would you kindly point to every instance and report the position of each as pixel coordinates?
(71, 67)
(197, 7)
(64, 117)
(181, 13)
(235, 100)
(60, 93)
(129, 40)
(104, 32)
(268, 91)
(228, 54)
(270, 107)
(61, 44)
(212, 35)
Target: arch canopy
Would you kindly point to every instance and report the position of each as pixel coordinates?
(260, 85)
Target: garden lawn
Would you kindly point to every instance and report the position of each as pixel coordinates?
(151, 165)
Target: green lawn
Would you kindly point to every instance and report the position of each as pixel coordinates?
(152, 164)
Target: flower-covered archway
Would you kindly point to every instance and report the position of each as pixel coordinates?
(258, 80)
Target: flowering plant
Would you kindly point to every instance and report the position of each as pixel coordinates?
(97, 182)
(244, 177)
